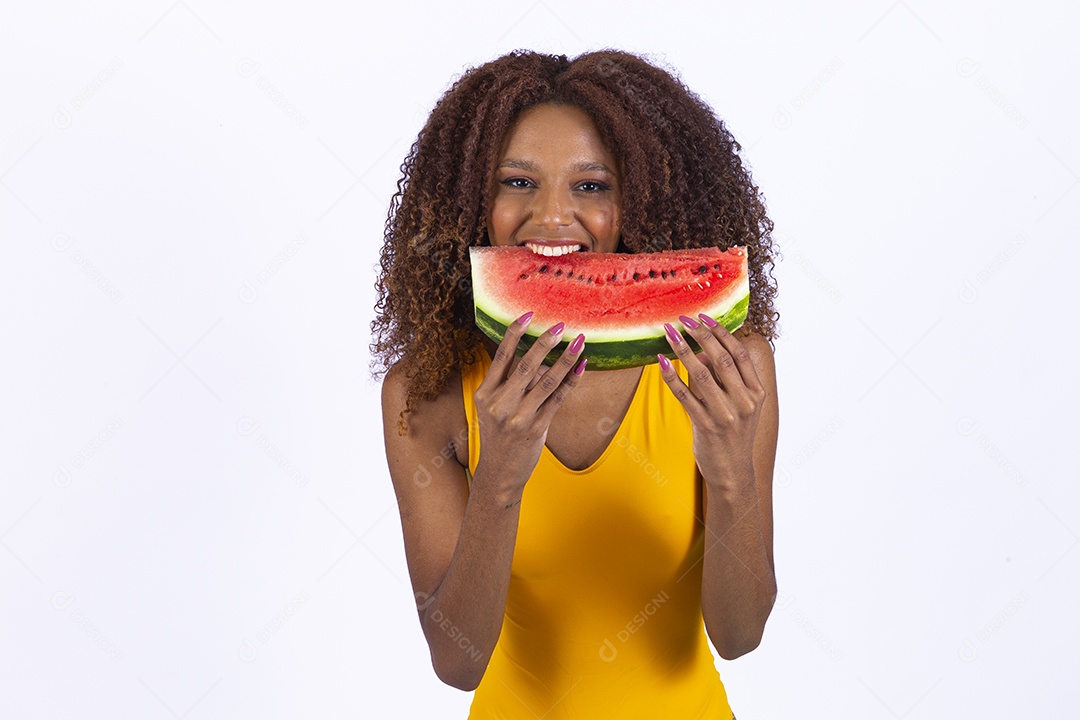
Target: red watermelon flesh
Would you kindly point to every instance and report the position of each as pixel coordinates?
(620, 301)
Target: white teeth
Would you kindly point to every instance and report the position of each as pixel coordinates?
(552, 250)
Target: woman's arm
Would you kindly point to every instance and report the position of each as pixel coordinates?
(459, 544)
(732, 403)
(739, 578)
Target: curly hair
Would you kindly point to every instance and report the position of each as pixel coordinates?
(683, 186)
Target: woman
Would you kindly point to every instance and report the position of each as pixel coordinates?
(575, 538)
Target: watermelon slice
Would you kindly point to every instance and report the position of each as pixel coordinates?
(619, 300)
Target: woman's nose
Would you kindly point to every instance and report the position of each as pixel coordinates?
(553, 208)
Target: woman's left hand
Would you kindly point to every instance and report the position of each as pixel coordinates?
(724, 399)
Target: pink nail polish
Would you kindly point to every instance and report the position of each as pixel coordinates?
(688, 322)
(673, 333)
(664, 362)
(581, 366)
(709, 322)
(575, 347)
(558, 329)
(524, 319)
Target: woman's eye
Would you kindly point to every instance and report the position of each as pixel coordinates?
(516, 182)
(590, 186)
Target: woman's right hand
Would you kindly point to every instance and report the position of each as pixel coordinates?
(516, 401)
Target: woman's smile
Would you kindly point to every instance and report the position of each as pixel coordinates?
(551, 250)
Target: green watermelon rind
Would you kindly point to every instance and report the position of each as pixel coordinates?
(613, 355)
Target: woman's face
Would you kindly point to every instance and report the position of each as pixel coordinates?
(557, 186)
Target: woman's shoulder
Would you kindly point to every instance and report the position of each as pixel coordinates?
(756, 343)
(439, 415)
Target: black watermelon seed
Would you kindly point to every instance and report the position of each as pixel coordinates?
(558, 273)
(523, 276)
(613, 278)
(703, 269)
(635, 276)
(663, 273)
(569, 274)
(716, 267)
(588, 281)
(652, 273)
(543, 268)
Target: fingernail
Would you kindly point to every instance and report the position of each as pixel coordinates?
(575, 347)
(524, 319)
(709, 322)
(558, 329)
(688, 322)
(581, 366)
(673, 333)
(664, 362)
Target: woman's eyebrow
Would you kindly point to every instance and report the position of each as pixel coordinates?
(519, 165)
(530, 166)
(593, 167)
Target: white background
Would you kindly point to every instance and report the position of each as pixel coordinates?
(196, 518)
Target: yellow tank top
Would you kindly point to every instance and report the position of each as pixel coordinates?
(603, 614)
